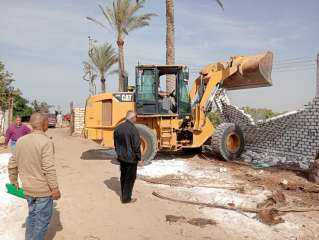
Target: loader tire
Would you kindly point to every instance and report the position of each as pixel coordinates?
(148, 142)
(228, 141)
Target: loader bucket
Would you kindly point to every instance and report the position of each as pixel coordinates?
(253, 72)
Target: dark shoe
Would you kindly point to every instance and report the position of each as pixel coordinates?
(133, 200)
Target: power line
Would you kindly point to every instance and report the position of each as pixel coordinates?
(293, 59)
(281, 64)
(293, 66)
(294, 69)
(193, 58)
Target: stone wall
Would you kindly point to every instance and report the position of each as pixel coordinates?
(289, 139)
(78, 120)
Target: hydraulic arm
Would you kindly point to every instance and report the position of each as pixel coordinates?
(241, 72)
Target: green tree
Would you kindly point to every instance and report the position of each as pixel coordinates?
(122, 18)
(21, 107)
(170, 40)
(215, 118)
(103, 58)
(6, 89)
(42, 107)
(260, 113)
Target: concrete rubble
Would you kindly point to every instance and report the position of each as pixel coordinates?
(288, 139)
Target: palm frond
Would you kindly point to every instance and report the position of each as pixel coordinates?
(106, 15)
(97, 22)
(103, 57)
(122, 16)
(220, 3)
(139, 21)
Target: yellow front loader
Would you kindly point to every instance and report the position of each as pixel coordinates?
(178, 120)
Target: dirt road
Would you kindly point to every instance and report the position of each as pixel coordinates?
(90, 207)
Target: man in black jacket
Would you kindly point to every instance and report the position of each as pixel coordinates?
(127, 147)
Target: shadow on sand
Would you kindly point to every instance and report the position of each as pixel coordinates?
(99, 154)
(114, 184)
(110, 155)
(54, 226)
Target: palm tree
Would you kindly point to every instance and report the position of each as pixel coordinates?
(170, 40)
(170, 43)
(103, 57)
(123, 19)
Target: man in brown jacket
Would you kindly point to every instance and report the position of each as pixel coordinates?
(34, 163)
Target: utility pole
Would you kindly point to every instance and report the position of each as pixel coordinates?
(71, 118)
(317, 79)
(91, 44)
(89, 70)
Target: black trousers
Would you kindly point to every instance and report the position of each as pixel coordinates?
(128, 176)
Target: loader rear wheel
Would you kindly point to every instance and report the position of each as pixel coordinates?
(228, 141)
(148, 142)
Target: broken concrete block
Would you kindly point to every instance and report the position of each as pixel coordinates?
(289, 139)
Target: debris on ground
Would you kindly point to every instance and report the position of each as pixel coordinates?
(200, 222)
(269, 216)
(264, 195)
(292, 186)
(229, 206)
(167, 180)
(175, 219)
(313, 174)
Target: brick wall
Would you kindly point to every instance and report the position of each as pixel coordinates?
(289, 139)
(78, 120)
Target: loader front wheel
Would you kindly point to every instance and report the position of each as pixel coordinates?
(148, 142)
(228, 141)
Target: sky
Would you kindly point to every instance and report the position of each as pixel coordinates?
(44, 42)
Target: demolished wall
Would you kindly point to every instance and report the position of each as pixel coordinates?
(288, 139)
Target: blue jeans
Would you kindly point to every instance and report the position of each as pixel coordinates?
(13, 145)
(40, 213)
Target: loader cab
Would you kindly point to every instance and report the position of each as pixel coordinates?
(152, 99)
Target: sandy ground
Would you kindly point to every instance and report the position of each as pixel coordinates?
(90, 207)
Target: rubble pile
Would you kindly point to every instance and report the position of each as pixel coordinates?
(288, 139)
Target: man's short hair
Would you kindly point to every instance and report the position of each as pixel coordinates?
(18, 117)
(37, 119)
(130, 114)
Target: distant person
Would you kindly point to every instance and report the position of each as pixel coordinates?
(59, 120)
(15, 131)
(34, 163)
(127, 146)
